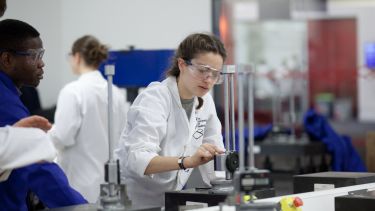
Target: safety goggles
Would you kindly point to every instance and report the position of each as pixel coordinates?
(202, 72)
(34, 55)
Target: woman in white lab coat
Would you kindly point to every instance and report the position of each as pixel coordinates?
(172, 125)
(80, 131)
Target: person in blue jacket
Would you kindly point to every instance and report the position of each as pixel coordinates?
(21, 64)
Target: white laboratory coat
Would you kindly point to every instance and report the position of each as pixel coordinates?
(157, 124)
(23, 146)
(80, 131)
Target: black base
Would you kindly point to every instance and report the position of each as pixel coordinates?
(357, 202)
(94, 207)
(305, 183)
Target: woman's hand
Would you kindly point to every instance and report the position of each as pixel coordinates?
(204, 154)
(34, 121)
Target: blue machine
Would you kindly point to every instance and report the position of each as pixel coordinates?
(137, 68)
(370, 55)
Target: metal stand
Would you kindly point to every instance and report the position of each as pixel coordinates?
(292, 112)
(248, 179)
(280, 129)
(113, 195)
(228, 161)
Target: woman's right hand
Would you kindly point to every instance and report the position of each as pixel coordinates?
(204, 154)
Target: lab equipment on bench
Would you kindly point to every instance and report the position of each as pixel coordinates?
(248, 178)
(228, 161)
(113, 195)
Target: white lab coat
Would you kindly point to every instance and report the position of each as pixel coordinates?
(80, 132)
(23, 146)
(157, 124)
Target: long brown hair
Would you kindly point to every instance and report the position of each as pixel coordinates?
(193, 45)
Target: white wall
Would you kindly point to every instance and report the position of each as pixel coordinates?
(145, 24)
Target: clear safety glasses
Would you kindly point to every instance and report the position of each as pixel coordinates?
(34, 55)
(202, 72)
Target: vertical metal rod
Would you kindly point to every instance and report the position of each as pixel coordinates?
(110, 71)
(250, 113)
(226, 110)
(241, 121)
(279, 116)
(232, 108)
(292, 110)
(305, 94)
(229, 70)
(274, 107)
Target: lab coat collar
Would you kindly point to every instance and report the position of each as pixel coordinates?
(90, 75)
(172, 86)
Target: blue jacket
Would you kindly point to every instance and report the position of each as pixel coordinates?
(260, 133)
(11, 107)
(344, 155)
(46, 180)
